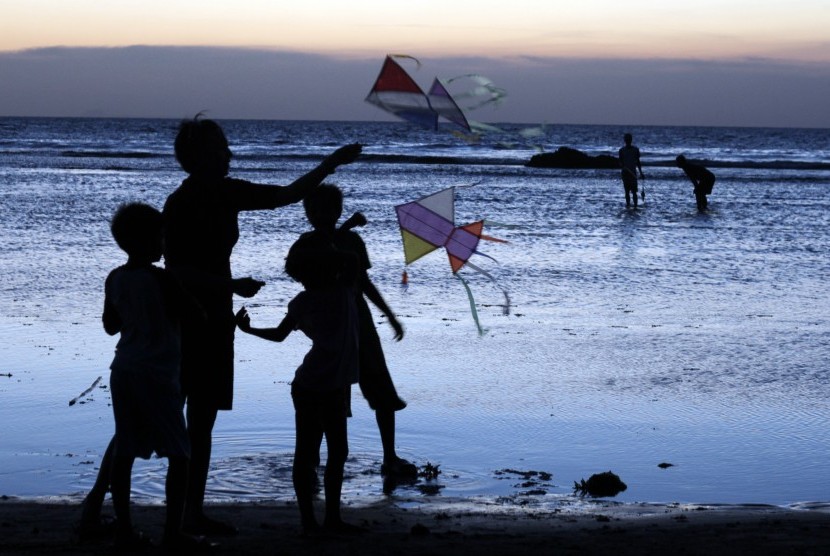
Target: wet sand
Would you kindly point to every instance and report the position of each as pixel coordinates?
(454, 527)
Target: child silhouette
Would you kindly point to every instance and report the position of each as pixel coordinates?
(324, 207)
(145, 304)
(326, 312)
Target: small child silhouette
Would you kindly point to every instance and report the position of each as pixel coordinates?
(145, 304)
(326, 312)
(324, 207)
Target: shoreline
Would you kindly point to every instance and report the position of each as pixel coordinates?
(453, 526)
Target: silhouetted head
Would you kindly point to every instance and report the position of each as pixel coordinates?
(681, 160)
(202, 149)
(628, 138)
(323, 206)
(138, 229)
(313, 262)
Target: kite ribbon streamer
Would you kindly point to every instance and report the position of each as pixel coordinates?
(429, 224)
(407, 56)
(506, 307)
(481, 331)
(471, 299)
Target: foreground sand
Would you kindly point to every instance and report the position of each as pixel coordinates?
(47, 528)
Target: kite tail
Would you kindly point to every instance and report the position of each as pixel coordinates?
(490, 238)
(505, 308)
(481, 331)
(477, 252)
(417, 61)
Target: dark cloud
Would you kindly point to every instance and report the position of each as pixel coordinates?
(145, 81)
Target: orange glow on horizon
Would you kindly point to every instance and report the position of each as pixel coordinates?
(709, 29)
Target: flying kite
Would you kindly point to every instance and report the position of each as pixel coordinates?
(484, 92)
(429, 224)
(397, 93)
(442, 102)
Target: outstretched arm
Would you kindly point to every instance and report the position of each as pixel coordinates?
(374, 296)
(278, 334)
(300, 187)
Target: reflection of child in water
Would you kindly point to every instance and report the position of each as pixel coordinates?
(326, 312)
(324, 207)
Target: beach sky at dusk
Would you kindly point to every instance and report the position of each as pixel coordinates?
(732, 62)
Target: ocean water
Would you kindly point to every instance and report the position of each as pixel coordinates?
(634, 338)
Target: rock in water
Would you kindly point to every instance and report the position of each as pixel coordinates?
(600, 485)
(566, 157)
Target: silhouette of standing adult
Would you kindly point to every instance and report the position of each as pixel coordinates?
(630, 163)
(701, 178)
(201, 231)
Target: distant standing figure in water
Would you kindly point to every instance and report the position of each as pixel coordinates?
(201, 231)
(702, 179)
(630, 164)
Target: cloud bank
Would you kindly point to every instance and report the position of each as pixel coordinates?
(151, 81)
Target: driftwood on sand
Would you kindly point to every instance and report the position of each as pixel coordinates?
(74, 400)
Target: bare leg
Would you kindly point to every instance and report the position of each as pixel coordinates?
(175, 488)
(122, 468)
(200, 421)
(93, 502)
(309, 434)
(338, 448)
(392, 464)
(338, 451)
(701, 201)
(386, 427)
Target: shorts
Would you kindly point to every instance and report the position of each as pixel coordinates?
(374, 379)
(321, 406)
(629, 181)
(149, 416)
(707, 185)
(207, 362)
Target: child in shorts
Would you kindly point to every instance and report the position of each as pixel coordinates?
(144, 303)
(323, 207)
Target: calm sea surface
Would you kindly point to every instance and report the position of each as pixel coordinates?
(634, 338)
